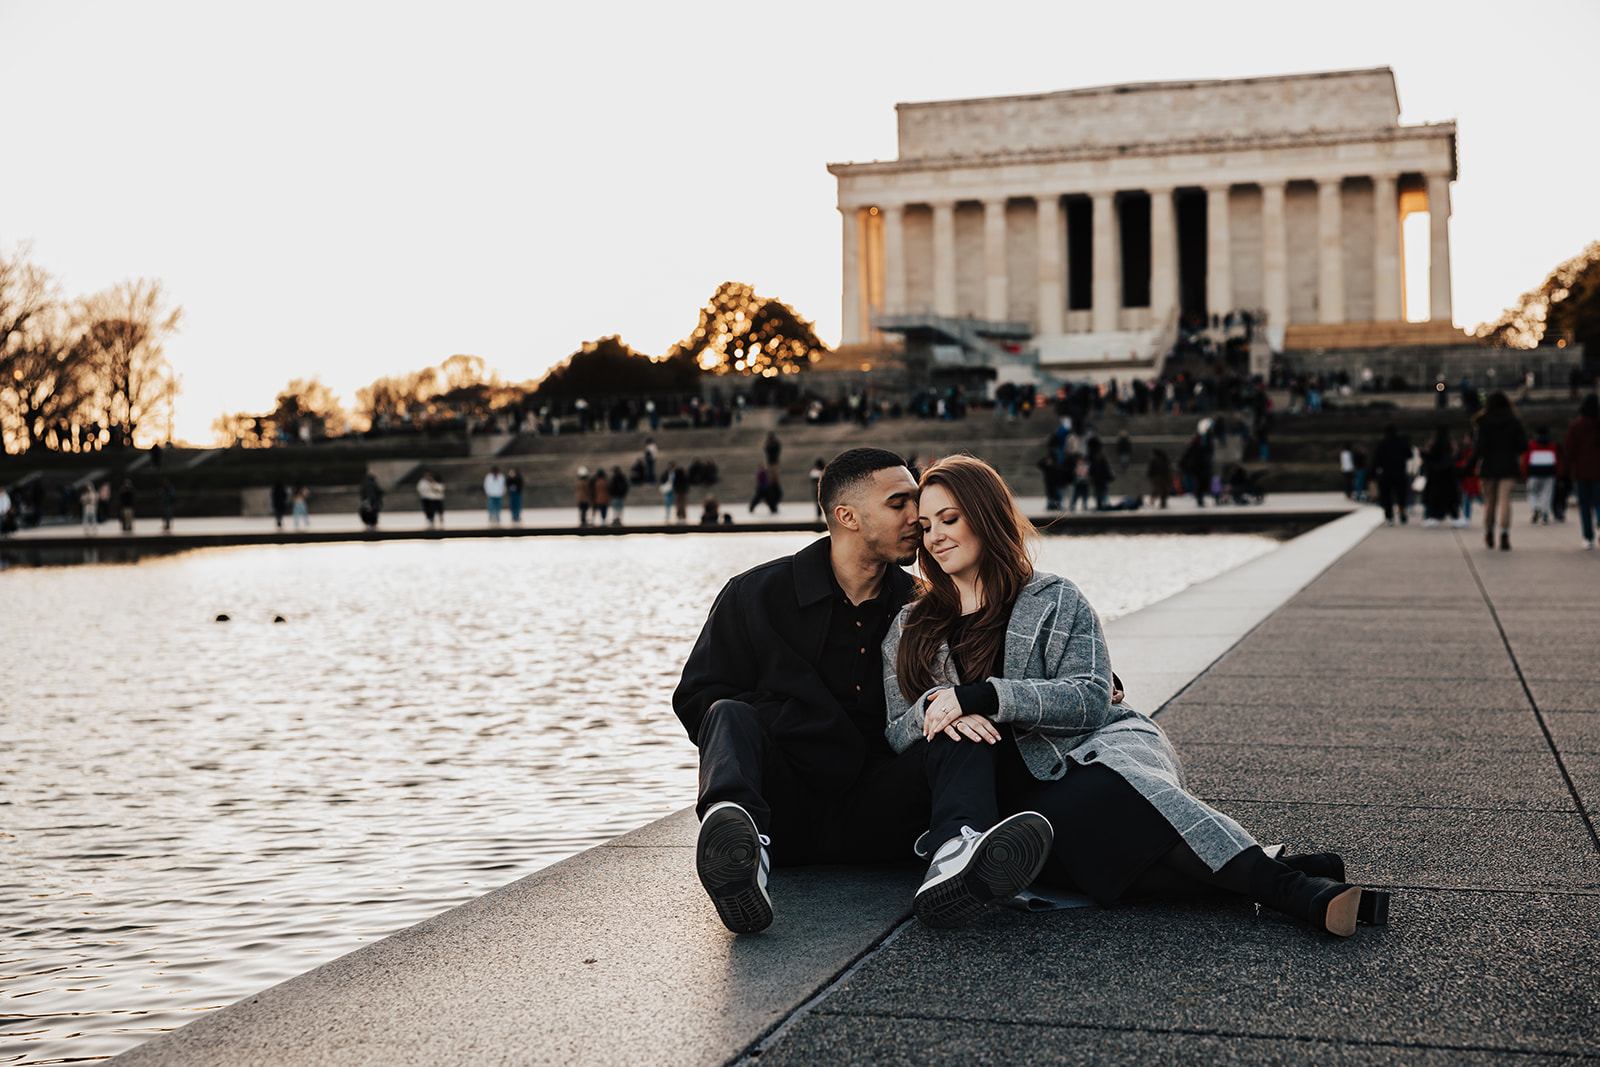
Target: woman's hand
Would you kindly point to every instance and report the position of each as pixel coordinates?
(942, 711)
(973, 728)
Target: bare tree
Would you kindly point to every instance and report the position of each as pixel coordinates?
(50, 384)
(126, 327)
(26, 293)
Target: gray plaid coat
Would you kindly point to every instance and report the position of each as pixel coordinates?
(1056, 694)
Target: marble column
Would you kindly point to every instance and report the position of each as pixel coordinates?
(1219, 252)
(1106, 289)
(1163, 258)
(1274, 256)
(1439, 303)
(1386, 249)
(1330, 260)
(1050, 242)
(944, 258)
(894, 259)
(996, 303)
(850, 334)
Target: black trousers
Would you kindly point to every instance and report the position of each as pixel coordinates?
(1106, 833)
(1394, 495)
(936, 786)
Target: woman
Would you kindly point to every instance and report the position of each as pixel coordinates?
(1582, 449)
(995, 653)
(1440, 497)
(1498, 441)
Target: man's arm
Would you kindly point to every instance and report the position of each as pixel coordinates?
(720, 666)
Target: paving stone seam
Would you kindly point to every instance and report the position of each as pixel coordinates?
(775, 1033)
(1555, 750)
(1219, 801)
(1186, 1031)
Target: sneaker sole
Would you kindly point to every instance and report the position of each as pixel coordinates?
(728, 859)
(1007, 863)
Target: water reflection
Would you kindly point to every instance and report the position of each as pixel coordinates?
(191, 810)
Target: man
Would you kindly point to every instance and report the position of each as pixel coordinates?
(783, 695)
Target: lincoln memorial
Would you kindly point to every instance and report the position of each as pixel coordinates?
(1084, 223)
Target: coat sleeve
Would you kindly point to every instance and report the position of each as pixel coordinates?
(905, 716)
(1074, 695)
(720, 666)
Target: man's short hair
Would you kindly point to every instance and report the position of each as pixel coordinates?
(849, 470)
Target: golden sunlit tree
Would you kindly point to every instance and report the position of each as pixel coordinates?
(51, 383)
(27, 295)
(125, 329)
(1568, 303)
(308, 399)
(742, 333)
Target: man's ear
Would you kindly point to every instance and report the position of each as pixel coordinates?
(845, 517)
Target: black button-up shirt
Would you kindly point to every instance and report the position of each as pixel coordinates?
(852, 660)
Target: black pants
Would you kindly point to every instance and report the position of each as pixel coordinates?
(1106, 833)
(1395, 496)
(937, 786)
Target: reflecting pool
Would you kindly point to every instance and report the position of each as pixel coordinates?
(193, 810)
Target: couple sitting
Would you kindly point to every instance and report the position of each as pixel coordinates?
(845, 714)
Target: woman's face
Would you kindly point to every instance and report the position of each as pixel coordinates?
(946, 534)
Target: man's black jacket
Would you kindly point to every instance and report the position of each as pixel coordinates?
(761, 644)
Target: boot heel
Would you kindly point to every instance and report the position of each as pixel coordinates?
(1374, 908)
(1340, 918)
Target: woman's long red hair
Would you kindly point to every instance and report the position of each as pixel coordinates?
(1005, 565)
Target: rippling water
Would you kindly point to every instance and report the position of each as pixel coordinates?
(191, 811)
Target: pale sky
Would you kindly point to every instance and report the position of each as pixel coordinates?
(351, 190)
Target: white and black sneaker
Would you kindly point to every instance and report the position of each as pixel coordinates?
(731, 859)
(973, 871)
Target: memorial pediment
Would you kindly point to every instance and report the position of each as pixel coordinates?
(1150, 113)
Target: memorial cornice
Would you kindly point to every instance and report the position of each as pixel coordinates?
(1190, 146)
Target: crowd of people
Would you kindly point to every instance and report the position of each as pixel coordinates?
(1452, 473)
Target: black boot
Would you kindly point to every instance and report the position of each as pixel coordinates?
(1317, 864)
(1335, 906)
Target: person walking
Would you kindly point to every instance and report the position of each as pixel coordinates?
(1124, 449)
(669, 483)
(1159, 472)
(680, 493)
(514, 494)
(371, 494)
(1582, 448)
(430, 492)
(1498, 441)
(1389, 460)
(167, 498)
(583, 495)
(763, 493)
(89, 501)
(1347, 469)
(1540, 465)
(494, 490)
(280, 502)
(772, 448)
(619, 494)
(125, 502)
(600, 487)
(302, 507)
(1441, 498)
(1195, 463)
(815, 474)
(1467, 482)
(1100, 474)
